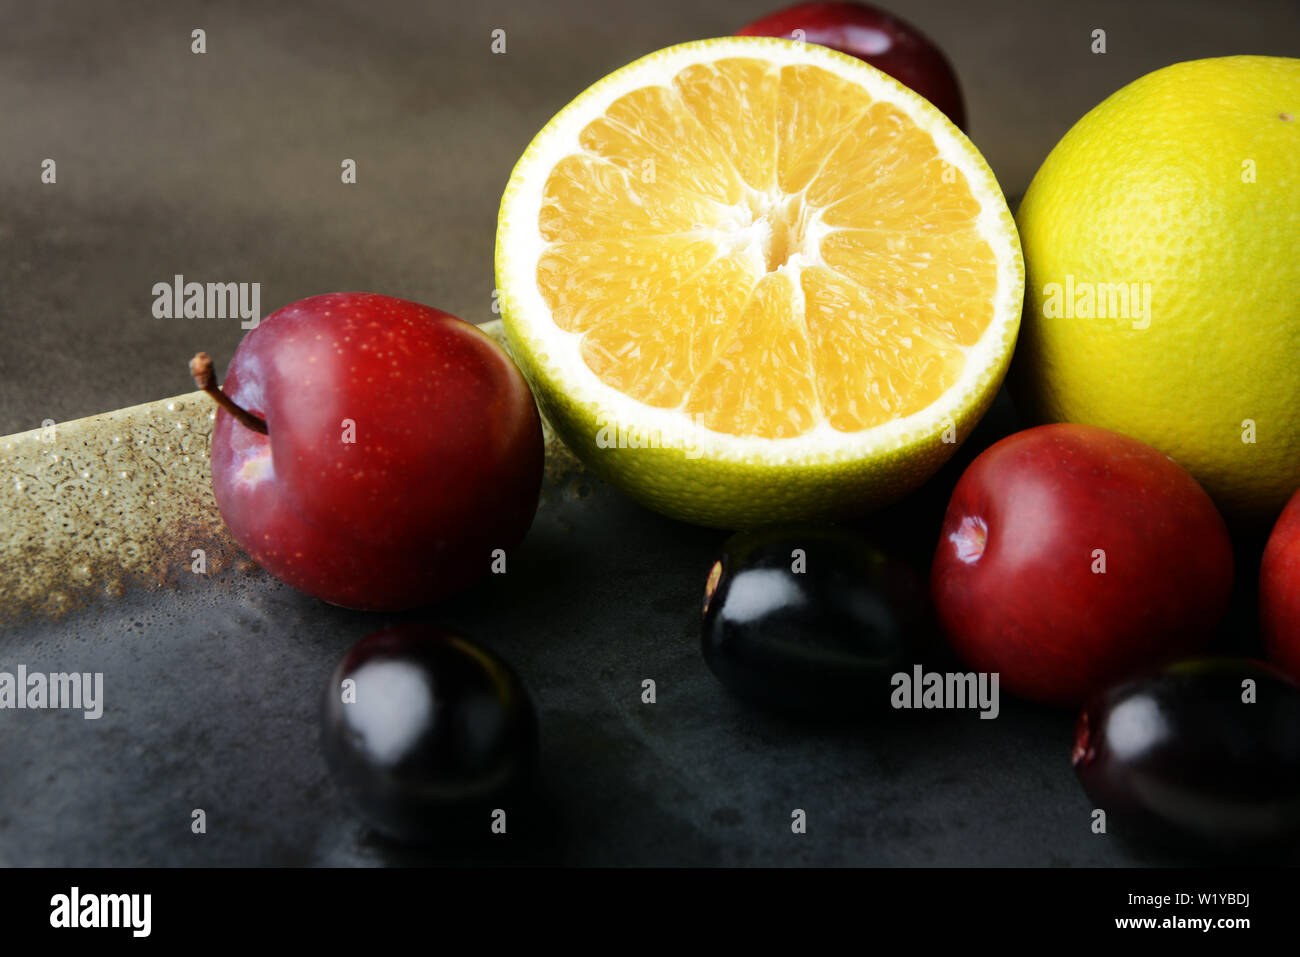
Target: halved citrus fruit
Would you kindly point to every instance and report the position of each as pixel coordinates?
(751, 279)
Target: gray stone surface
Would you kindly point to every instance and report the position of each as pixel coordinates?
(211, 694)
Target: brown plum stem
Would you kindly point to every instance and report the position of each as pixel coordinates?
(205, 377)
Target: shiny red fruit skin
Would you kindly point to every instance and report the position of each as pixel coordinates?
(1030, 605)
(1279, 591)
(445, 467)
(889, 44)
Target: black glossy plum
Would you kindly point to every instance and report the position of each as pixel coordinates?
(432, 734)
(811, 619)
(1180, 757)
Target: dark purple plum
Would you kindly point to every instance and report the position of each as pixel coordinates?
(434, 734)
(811, 620)
(1183, 759)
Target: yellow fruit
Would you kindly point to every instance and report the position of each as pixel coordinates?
(751, 279)
(1163, 281)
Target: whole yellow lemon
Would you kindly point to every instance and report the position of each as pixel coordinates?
(1162, 298)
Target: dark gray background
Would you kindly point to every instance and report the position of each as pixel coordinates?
(225, 167)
